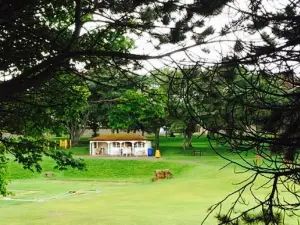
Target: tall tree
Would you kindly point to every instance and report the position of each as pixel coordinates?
(33, 114)
(266, 96)
(105, 94)
(58, 34)
(173, 82)
(74, 117)
(140, 111)
(245, 112)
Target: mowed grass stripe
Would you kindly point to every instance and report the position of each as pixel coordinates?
(103, 169)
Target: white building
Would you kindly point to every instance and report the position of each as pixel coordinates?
(122, 144)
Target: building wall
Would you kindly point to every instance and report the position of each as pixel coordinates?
(111, 150)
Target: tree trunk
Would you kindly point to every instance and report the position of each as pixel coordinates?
(75, 138)
(76, 129)
(184, 141)
(75, 134)
(157, 139)
(190, 136)
(95, 134)
(143, 132)
(189, 130)
(95, 127)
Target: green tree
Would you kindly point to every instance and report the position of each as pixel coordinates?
(139, 110)
(237, 106)
(66, 113)
(180, 120)
(59, 101)
(75, 115)
(35, 116)
(56, 35)
(106, 93)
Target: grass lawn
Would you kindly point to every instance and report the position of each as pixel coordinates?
(182, 200)
(102, 169)
(127, 195)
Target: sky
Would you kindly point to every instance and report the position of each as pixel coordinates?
(216, 49)
(144, 45)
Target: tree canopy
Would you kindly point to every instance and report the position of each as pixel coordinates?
(247, 96)
(140, 111)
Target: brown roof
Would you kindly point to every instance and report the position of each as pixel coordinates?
(120, 137)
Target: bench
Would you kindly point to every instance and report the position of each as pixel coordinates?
(197, 152)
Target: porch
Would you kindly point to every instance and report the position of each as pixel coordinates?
(119, 148)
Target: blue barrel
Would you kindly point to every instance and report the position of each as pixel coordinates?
(150, 151)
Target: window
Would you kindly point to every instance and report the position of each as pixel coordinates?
(116, 144)
(139, 145)
(95, 144)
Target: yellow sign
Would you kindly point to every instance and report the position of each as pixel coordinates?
(157, 153)
(64, 144)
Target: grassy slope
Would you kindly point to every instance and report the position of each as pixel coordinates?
(183, 200)
(102, 169)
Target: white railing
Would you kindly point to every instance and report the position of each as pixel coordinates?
(115, 151)
(126, 151)
(139, 151)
